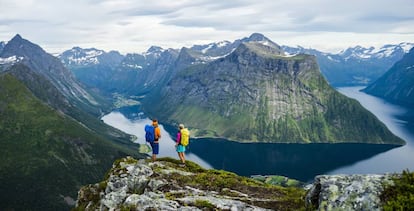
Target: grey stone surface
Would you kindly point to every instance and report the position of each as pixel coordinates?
(347, 192)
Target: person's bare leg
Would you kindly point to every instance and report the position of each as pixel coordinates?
(154, 157)
(183, 157)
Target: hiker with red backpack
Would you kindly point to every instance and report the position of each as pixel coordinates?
(182, 141)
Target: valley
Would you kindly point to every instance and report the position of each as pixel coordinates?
(299, 161)
(250, 94)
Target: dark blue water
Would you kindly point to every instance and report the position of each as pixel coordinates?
(299, 161)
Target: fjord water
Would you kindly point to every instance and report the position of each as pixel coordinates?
(399, 120)
(299, 161)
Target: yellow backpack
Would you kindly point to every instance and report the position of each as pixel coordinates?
(185, 136)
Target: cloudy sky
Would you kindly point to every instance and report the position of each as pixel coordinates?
(134, 25)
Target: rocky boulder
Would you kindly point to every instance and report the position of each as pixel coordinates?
(347, 192)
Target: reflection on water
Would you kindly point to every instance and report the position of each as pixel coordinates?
(299, 161)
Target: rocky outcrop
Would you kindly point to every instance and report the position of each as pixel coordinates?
(347, 192)
(164, 185)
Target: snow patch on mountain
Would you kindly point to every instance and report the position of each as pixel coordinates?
(79, 56)
(406, 46)
(133, 66)
(332, 59)
(10, 60)
(267, 43)
(204, 51)
(385, 51)
(223, 44)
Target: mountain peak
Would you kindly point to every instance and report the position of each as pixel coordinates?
(17, 37)
(21, 47)
(263, 40)
(257, 37)
(154, 49)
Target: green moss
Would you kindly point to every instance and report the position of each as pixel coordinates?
(103, 185)
(205, 205)
(190, 166)
(281, 180)
(174, 195)
(400, 195)
(128, 208)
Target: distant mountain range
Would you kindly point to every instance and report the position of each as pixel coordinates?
(356, 66)
(397, 84)
(112, 72)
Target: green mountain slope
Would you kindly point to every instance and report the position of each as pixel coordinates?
(397, 84)
(43, 89)
(256, 94)
(46, 156)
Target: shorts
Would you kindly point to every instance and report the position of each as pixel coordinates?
(180, 148)
(155, 148)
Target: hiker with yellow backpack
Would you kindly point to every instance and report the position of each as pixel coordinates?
(183, 138)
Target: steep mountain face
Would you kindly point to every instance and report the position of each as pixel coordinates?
(397, 84)
(19, 50)
(256, 94)
(157, 71)
(357, 65)
(46, 155)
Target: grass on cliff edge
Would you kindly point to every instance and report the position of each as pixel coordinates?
(223, 182)
(400, 195)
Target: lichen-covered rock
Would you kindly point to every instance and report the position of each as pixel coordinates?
(347, 192)
(164, 185)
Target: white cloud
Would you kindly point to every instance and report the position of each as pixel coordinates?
(133, 26)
